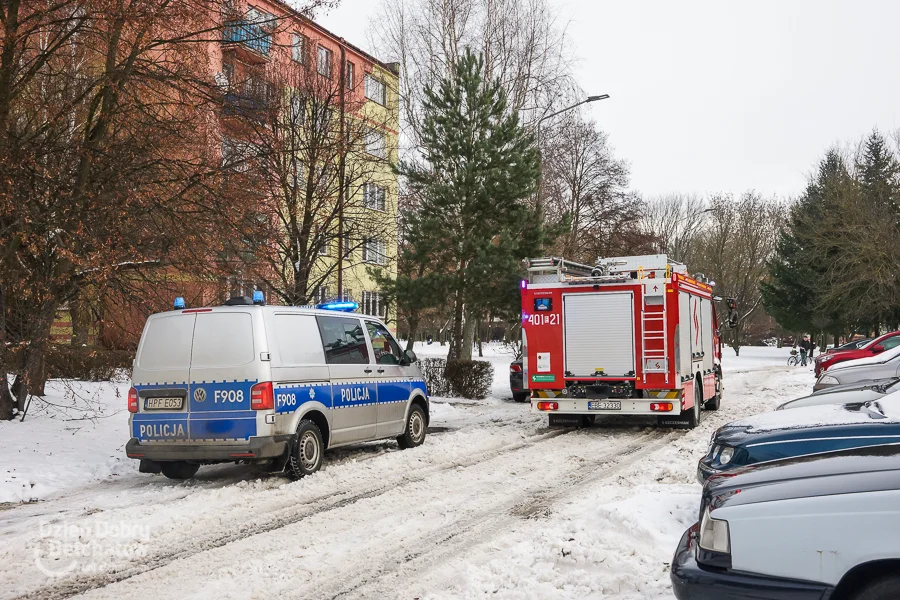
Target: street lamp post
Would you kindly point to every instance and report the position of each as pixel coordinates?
(550, 116)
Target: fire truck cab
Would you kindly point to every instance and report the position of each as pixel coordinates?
(631, 335)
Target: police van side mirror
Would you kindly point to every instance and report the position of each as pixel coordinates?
(409, 357)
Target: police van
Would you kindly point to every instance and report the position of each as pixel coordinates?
(277, 385)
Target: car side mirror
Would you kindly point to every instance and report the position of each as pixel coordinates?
(878, 348)
(410, 356)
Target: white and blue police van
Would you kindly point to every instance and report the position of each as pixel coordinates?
(275, 385)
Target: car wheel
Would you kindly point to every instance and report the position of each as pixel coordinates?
(716, 400)
(694, 418)
(179, 469)
(520, 396)
(886, 588)
(307, 450)
(414, 434)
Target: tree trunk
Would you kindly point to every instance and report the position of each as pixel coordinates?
(456, 344)
(36, 351)
(413, 323)
(468, 337)
(6, 399)
(79, 311)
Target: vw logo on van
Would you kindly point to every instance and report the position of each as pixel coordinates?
(199, 394)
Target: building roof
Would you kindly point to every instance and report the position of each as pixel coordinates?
(306, 20)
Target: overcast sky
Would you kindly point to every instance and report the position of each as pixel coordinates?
(710, 96)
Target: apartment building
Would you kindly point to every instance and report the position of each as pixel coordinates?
(266, 48)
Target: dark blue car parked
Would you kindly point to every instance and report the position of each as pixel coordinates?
(801, 432)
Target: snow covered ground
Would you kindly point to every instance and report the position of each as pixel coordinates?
(494, 504)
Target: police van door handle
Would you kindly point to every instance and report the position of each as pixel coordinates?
(381, 370)
(367, 370)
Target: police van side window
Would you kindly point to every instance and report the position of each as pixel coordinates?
(298, 339)
(387, 351)
(344, 341)
(223, 339)
(167, 343)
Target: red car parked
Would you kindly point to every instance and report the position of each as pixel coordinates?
(839, 355)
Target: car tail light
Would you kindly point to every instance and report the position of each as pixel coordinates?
(132, 400)
(661, 406)
(547, 405)
(515, 368)
(262, 397)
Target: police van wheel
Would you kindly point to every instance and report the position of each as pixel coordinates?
(307, 451)
(179, 469)
(414, 434)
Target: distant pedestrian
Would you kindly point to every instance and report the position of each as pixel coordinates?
(805, 345)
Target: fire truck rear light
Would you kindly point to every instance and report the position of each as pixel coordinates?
(515, 368)
(661, 406)
(262, 396)
(548, 405)
(132, 400)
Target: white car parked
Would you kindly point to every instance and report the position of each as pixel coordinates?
(823, 527)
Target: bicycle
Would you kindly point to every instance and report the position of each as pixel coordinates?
(793, 359)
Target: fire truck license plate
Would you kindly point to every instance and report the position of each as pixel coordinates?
(604, 405)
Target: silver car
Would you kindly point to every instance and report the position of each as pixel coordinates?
(881, 366)
(848, 393)
(268, 384)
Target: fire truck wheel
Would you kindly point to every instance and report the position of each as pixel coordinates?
(520, 396)
(716, 400)
(694, 418)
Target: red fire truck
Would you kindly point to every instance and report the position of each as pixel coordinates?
(632, 335)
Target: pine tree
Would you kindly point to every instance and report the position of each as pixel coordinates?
(479, 167)
(795, 290)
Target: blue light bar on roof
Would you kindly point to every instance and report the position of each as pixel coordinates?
(340, 306)
(258, 297)
(179, 302)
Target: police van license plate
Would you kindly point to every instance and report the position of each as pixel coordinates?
(604, 405)
(163, 403)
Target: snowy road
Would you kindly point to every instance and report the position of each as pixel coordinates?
(494, 504)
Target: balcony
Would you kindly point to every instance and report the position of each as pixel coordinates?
(245, 106)
(250, 40)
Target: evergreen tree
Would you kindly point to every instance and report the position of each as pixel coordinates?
(479, 167)
(793, 293)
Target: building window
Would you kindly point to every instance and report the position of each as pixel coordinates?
(372, 304)
(235, 155)
(374, 90)
(373, 196)
(375, 144)
(323, 66)
(374, 251)
(350, 75)
(321, 295)
(228, 73)
(323, 246)
(298, 110)
(298, 47)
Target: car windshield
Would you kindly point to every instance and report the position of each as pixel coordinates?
(888, 405)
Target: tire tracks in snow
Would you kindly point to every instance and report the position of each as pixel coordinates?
(267, 521)
(383, 579)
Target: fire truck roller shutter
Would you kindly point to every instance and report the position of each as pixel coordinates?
(599, 333)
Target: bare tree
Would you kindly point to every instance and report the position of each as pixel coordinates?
(586, 183)
(320, 163)
(734, 250)
(675, 221)
(524, 45)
